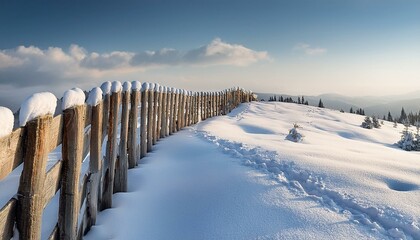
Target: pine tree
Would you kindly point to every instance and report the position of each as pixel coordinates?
(390, 117)
(407, 141)
(320, 104)
(367, 123)
(275, 98)
(403, 116)
(375, 122)
(351, 110)
(303, 99)
(281, 99)
(299, 100)
(306, 102)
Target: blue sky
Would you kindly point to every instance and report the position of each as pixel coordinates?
(368, 47)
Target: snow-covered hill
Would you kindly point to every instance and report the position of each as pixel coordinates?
(351, 170)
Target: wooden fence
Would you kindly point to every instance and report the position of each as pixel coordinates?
(80, 131)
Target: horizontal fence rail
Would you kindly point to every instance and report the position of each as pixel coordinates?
(129, 121)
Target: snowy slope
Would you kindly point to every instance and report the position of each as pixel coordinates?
(187, 188)
(339, 164)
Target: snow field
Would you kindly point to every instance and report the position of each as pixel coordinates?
(341, 165)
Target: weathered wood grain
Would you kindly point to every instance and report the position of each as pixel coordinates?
(31, 187)
(11, 149)
(7, 219)
(121, 168)
(72, 152)
(52, 182)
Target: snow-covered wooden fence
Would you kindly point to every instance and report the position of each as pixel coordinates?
(81, 130)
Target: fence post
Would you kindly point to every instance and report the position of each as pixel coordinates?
(30, 197)
(150, 118)
(169, 111)
(164, 117)
(105, 114)
(172, 117)
(143, 117)
(187, 109)
(95, 164)
(121, 168)
(111, 150)
(180, 109)
(159, 129)
(156, 110)
(132, 129)
(175, 115)
(72, 152)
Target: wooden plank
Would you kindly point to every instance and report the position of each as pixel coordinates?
(54, 234)
(72, 152)
(11, 152)
(7, 219)
(52, 182)
(86, 143)
(121, 167)
(83, 189)
(30, 197)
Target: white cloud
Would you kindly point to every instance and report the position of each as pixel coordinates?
(308, 50)
(31, 66)
(215, 53)
(28, 68)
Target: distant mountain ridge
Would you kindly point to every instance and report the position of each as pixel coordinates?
(378, 106)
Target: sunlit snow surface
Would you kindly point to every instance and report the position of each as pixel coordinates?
(237, 177)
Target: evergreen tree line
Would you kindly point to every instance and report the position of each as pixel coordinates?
(300, 100)
(411, 118)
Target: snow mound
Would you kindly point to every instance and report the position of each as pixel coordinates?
(73, 97)
(136, 85)
(127, 87)
(116, 86)
(37, 105)
(95, 96)
(106, 87)
(6, 121)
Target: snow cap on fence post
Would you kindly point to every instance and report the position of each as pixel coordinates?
(95, 96)
(127, 87)
(156, 87)
(145, 87)
(37, 105)
(73, 97)
(116, 86)
(106, 87)
(136, 85)
(151, 86)
(6, 121)
(161, 89)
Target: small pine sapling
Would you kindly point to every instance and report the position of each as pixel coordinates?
(367, 123)
(294, 135)
(375, 122)
(407, 141)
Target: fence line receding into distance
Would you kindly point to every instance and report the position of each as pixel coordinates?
(81, 131)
